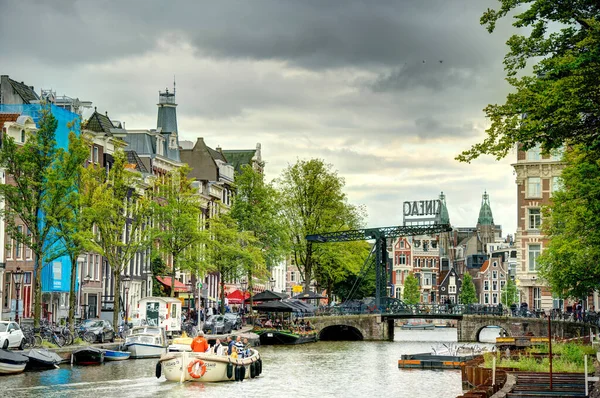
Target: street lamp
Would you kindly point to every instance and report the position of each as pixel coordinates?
(126, 281)
(244, 285)
(85, 281)
(272, 284)
(190, 289)
(17, 279)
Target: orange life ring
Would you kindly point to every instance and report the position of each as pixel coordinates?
(193, 371)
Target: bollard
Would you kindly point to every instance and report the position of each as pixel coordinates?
(493, 371)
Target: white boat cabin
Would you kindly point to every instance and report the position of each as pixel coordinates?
(163, 312)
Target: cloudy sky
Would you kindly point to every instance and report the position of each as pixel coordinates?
(388, 92)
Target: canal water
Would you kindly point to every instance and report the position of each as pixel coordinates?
(323, 369)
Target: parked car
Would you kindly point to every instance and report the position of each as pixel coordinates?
(217, 324)
(99, 327)
(11, 335)
(235, 319)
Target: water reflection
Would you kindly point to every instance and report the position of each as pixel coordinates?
(323, 369)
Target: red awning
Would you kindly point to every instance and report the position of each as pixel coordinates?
(166, 280)
(237, 296)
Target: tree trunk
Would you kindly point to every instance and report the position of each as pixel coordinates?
(173, 279)
(329, 291)
(72, 295)
(116, 299)
(250, 286)
(37, 289)
(308, 267)
(222, 306)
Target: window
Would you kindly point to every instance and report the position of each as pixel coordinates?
(23, 136)
(434, 279)
(535, 153)
(534, 187)
(486, 285)
(495, 285)
(401, 244)
(537, 298)
(535, 218)
(9, 249)
(7, 289)
(494, 298)
(557, 184)
(452, 289)
(534, 252)
(292, 276)
(486, 298)
(18, 247)
(494, 274)
(95, 154)
(403, 259)
(427, 279)
(27, 248)
(557, 153)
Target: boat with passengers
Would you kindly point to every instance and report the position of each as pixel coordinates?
(208, 367)
(146, 342)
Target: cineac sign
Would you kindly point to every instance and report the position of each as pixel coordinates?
(422, 211)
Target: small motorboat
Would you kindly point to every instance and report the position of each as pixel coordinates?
(42, 359)
(146, 342)
(418, 326)
(285, 337)
(87, 356)
(208, 367)
(110, 355)
(11, 362)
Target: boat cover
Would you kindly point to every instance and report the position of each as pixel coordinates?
(43, 356)
(11, 357)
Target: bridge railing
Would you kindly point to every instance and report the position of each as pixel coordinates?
(399, 308)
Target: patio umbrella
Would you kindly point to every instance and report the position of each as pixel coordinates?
(274, 306)
(237, 296)
(268, 295)
(308, 296)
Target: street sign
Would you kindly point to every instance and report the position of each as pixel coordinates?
(199, 285)
(297, 289)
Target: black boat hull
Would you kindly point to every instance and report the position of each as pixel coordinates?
(87, 356)
(286, 338)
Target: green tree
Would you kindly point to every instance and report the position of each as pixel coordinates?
(256, 209)
(571, 259)
(313, 202)
(30, 197)
(365, 284)
(118, 207)
(177, 215)
(560, 99)
(412, 290)
(468, 294)
(336, 261)
(509, 294)
(224, 252)
(158, 269)
(70, 225)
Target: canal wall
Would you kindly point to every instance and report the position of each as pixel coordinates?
(469, 327)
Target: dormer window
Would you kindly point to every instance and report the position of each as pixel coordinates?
(173, 143)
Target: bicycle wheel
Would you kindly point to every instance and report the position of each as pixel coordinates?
(68, 338)
(59, 340)
(37, 341)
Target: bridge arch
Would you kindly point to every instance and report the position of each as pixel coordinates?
(341, 333)
(482, 328)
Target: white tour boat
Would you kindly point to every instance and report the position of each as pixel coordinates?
(146, 342)
(207, 367)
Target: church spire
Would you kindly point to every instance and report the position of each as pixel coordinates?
(444, 217)
(485, 212)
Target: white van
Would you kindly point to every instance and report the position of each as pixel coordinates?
(160, 311)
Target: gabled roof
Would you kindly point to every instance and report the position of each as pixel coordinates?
(238, 158)
(485, 266)
(216, 155)
(25, 92)
(99, 123)
(133, 158)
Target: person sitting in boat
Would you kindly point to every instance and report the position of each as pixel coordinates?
(247, 351)
(308, 326)
(230, 343)
(239, 349)
(278, 324)
(218, 348)
(199, 344)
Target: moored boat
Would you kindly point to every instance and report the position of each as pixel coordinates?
(285, 337)
(429, 361)
(146, 342)
(42, 359)
(206, 367)
(110, 355)
(87, 356)
(11, 362)
(181, 344)
(418, 326)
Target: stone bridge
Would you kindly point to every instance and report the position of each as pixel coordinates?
(470, 326)
(381, 327)
(353, 327)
